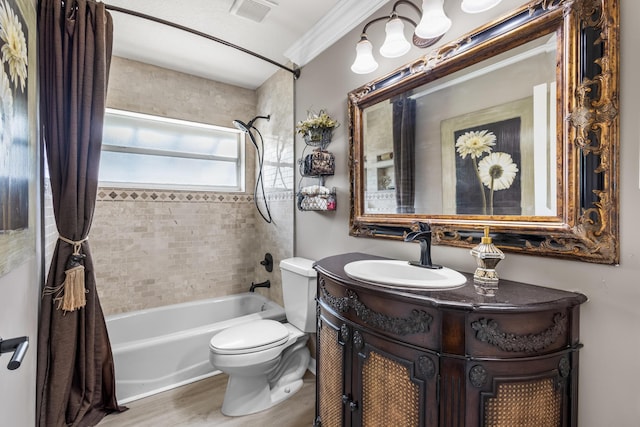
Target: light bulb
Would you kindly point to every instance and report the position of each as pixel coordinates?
(395, 44)
(434, 22)
(364, 62)
(477, 6)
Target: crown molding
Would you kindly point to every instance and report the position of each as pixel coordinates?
(344, 17)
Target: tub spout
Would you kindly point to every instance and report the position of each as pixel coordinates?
(265, 284)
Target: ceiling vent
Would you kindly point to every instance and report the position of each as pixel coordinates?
(255, 10)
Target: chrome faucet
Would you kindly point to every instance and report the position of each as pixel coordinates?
(423, 235)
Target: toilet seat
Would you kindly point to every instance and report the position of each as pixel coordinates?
(250, 337)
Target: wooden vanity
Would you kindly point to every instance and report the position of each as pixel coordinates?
(403, 357)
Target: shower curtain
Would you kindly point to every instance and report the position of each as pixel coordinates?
(75, 380)
(404, 148)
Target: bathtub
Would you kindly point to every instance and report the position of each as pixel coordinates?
(161, 348)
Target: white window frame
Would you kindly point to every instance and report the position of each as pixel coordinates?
(239, 160)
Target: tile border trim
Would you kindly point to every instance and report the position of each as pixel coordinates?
(111, 194)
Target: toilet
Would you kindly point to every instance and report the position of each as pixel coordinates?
(266, 359)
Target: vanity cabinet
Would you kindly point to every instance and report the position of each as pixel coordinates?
(401, 357)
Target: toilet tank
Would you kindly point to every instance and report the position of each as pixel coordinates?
(299, 292)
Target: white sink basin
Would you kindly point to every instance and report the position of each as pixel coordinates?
(401, 273)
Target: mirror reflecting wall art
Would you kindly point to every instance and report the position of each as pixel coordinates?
(513, 126)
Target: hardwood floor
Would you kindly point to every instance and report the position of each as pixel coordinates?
(199, 403)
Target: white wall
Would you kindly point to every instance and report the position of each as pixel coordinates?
(19, 297)
(20, 287)
(609, 370)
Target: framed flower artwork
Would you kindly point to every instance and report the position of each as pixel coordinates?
(490, 156)
(18, 148)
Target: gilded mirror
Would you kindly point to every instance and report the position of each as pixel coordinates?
(513, 126)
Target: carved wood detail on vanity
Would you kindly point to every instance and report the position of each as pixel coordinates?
(488, 331)
(425, 367)
(416, 322)
(478, 376)
(471, 359)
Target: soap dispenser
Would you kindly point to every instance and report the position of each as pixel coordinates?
(487, 256)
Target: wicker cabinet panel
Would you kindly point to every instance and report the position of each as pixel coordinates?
(389, 397)
(524, 403)
(394, 384)
(521, 392)
(330, 374)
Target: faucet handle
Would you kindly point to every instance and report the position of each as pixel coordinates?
(423, 235)
(424, 226)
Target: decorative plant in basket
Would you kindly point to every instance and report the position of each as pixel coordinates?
(317, 128)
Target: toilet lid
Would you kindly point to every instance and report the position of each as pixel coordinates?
(249, 337)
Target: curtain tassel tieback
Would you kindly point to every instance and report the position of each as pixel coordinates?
(70, 295)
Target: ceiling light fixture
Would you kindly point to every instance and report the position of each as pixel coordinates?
(433, 24)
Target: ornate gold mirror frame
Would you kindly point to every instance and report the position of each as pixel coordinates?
(586, 225)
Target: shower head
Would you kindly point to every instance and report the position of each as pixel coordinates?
(241, 126)
(244, 127)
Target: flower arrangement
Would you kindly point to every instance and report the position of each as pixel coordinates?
(317, 128)
(320, 120)
(496, 170)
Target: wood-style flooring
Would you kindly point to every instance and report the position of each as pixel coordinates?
(199, 403)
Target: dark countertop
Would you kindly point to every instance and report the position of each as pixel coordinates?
(511, 296)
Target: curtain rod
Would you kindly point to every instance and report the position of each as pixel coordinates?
(295, 71)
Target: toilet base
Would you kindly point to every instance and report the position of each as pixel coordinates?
(254, 399)
(250, 394)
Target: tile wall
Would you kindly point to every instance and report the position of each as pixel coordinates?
(170, 247)
(275, 98)
(153, 248)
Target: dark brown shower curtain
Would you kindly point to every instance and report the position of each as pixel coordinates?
(75, 382)
(404, 150)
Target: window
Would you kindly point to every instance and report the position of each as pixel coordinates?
(139, 150)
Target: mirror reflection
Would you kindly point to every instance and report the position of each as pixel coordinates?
(513, 126)
(481, 141)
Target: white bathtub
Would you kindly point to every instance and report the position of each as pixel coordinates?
(161, 348)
